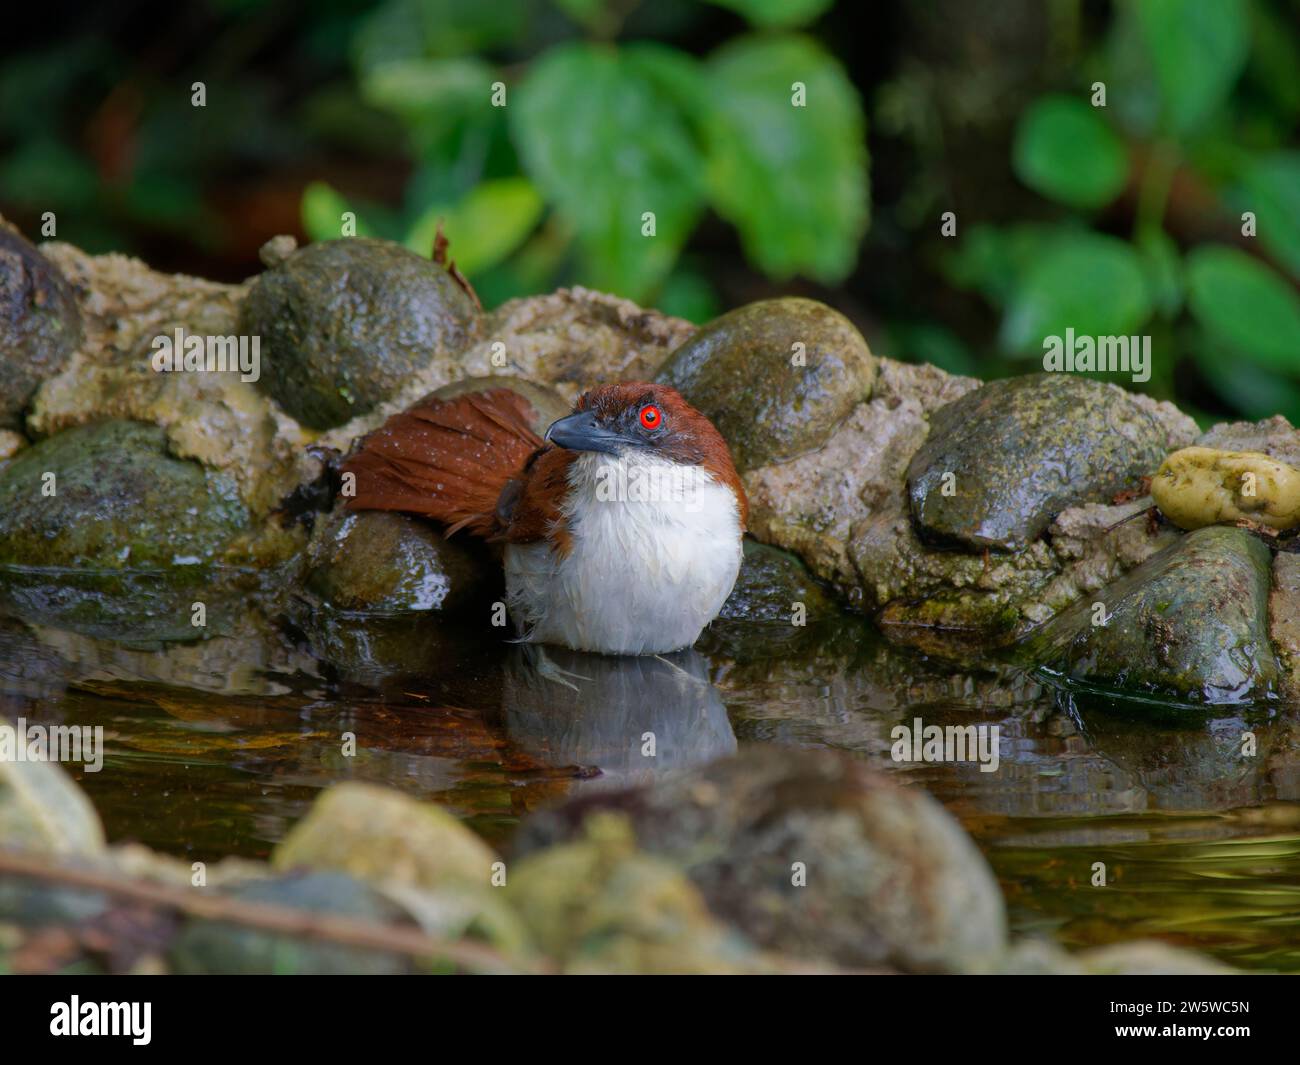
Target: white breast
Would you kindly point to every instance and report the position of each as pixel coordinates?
(656, 549)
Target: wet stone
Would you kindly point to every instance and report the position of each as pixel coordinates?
(1001, 462)
(776, 377)
(1189, 625)
(40, 324)
(120, 500)
(345, 323)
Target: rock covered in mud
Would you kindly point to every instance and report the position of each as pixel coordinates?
(776, 377)
(378, 834)
(1190, 624)
(344, 323)
(109, 495)
(598, 905)
(889, 876)
(373, 561)
(40, 323)
(1001, 462)
(1198, 486)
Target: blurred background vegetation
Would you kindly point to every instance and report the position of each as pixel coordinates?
(1117, 219)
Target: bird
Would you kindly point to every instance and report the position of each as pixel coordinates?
(621, 527)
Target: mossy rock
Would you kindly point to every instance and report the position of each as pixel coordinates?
(1001, 462)
(770, 398)
(120, 501)
(890, 876)
(1189, 625)
(345, 323)
(40, 324)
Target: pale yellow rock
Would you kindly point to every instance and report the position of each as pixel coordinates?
(1200, 486)
(383, 836)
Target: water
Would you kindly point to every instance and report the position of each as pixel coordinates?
(217, 746)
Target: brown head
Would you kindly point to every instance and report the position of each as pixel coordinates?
(640, 415)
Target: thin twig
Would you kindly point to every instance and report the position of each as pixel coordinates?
(269, 917)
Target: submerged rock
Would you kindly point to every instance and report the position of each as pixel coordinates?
(814, 855)
(1190, 624)
(117, 500)
(381, 835)
(344, 324)
(776, 377)
(40, 324)
(380, 562)
(1003, 461)
(1198, 486)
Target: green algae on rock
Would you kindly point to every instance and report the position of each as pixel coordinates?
(40, 323)
(891, 878)
(1001, 462)
(776, 377)
(379, 562)
(108, 495)
(1189, 625)
(344, 324)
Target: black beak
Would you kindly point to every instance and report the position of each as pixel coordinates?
(579, 432)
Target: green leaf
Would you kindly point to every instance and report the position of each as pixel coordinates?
(1257, 394)
(485, 227)
(1241, 301)
(322, 213)
(423, 90)
(792, 179)
(1066, 151)
(410, 29)
(1164, 270)
(1198, 48)
(1270, 187)
(1086, 282)
(606, 145)
(768, 14)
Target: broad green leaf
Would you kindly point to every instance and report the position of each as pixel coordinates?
(410, 29)
(485, 227)
(777, 13)
(1258, 393)
(792, 179)
(993, 260)
(420, 89)
(322, 213)
(1270, 187)
(1065, 150)
(1198, 48)
(1086, 282)
(607, 146)
(1240, 300)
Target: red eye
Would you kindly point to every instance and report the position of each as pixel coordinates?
(650, 417)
